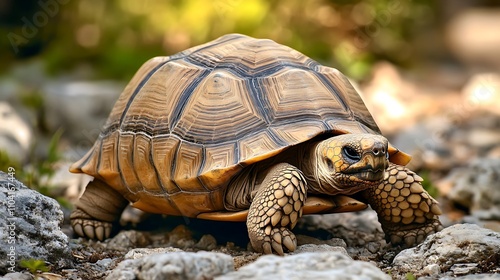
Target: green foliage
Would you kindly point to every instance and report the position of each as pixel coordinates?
(410, 276)
(6, 162)
(428, 185)
(32, 100)
(116, 37)
(34, 265)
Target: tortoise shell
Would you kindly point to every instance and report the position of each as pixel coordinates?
(187, 123)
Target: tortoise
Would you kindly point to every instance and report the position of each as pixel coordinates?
(244, 129)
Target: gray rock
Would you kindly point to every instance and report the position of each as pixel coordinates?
(455, 245)
(177, 265)
(29, 226)
(477, 187)
(323, 265)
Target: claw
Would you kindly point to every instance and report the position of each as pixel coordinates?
(277, 248)
(99, 232)
(266, 248)
(89, 231)
(289, 243)
(77, 227)
(107, 232)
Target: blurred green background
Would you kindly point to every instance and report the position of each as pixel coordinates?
(115, 37)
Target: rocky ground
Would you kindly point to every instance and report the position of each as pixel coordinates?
(456, 148)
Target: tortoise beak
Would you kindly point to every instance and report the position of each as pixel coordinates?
(371, 167)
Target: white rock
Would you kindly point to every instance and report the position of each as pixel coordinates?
(322, 265)
(15, 134)
(176, 265)
(458, 244)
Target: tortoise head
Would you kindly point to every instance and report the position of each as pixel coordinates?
(350, 163)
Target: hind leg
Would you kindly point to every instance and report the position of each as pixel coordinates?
(408, 214)
(97, 210)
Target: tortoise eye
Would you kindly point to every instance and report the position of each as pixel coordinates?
(350, 154)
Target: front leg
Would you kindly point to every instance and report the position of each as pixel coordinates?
(276, 208)
(408, 214)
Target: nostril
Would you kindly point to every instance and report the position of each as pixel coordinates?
(378, 150)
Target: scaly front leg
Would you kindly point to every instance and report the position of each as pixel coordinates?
(276, 208)
(408, 214)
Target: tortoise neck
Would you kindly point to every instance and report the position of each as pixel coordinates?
(309, 166)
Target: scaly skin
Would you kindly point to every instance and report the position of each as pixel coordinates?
(406, 211)
(275, 210)
(97, 210)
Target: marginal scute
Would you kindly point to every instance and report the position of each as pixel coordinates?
(163, 152)
(145, 171)
(125, 154)
(108, 168)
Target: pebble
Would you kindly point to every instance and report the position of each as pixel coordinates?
(129, 239)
